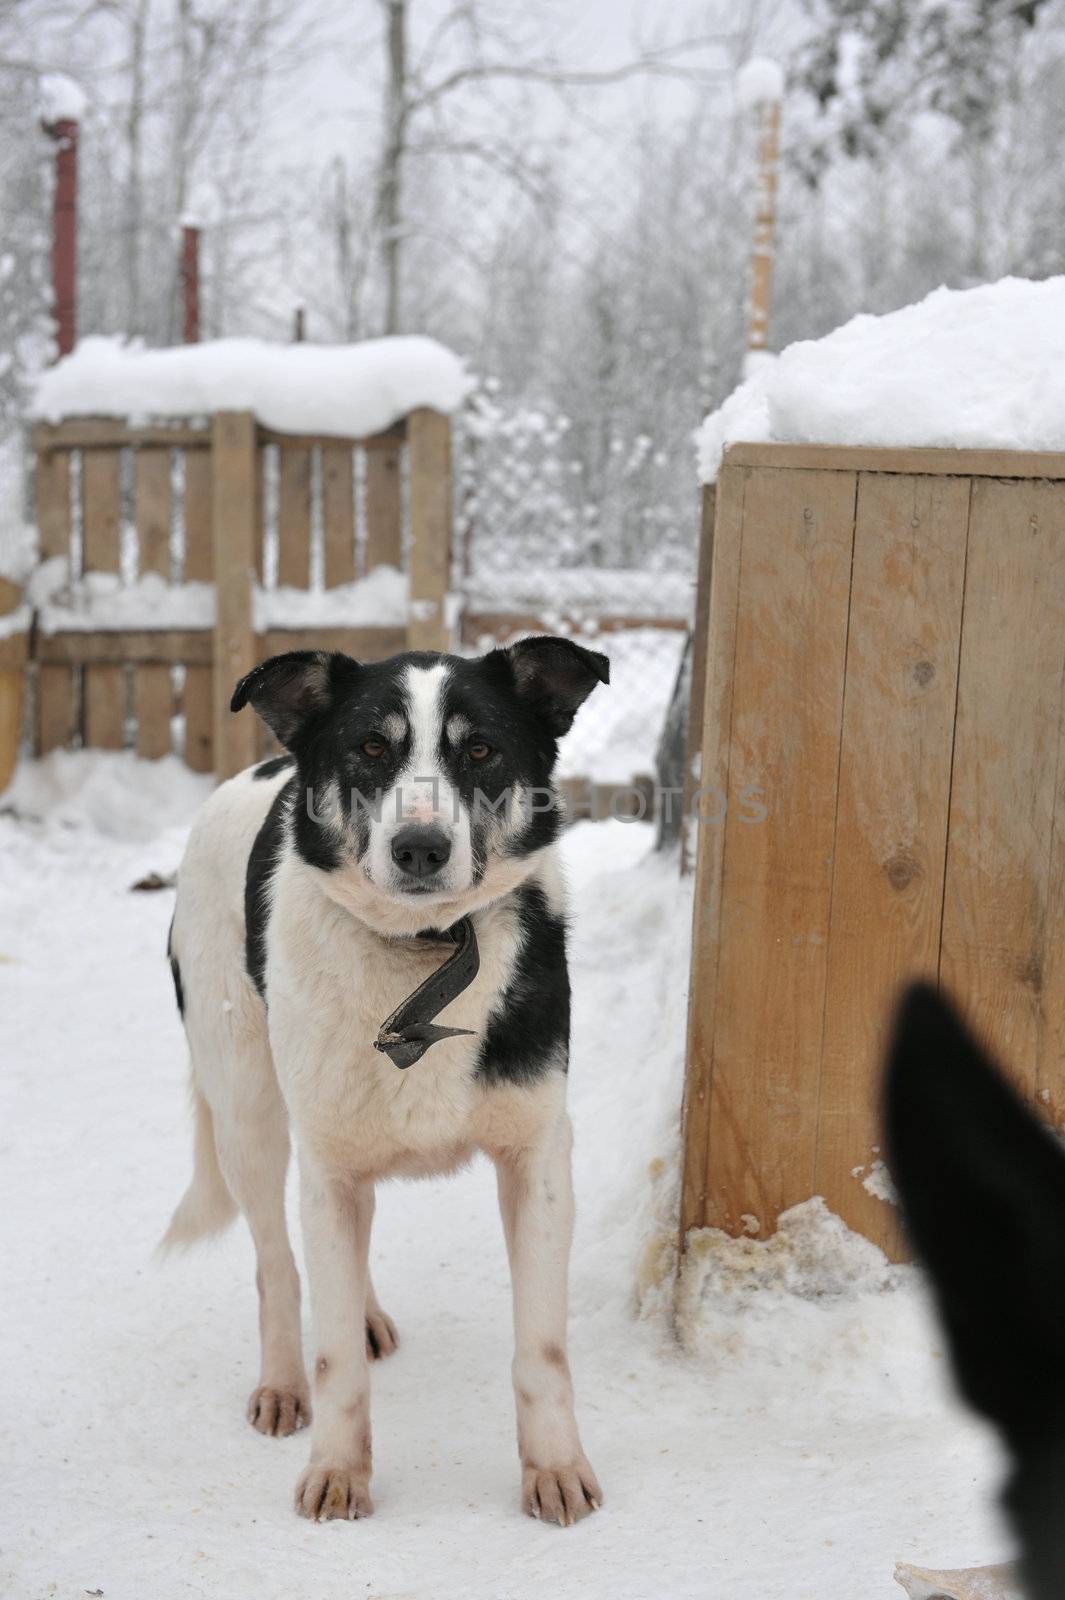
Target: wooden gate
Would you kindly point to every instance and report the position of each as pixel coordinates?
(886, 668)
(191, 504)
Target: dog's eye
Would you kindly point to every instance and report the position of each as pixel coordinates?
(374, 748)
(478, 750)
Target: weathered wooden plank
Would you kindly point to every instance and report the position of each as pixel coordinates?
(198, 695)
(429, 459)
(152, 697)
(998, 903)
(389, 440)
(56, 712)
(384, 509)
(709, 842)
(171, 645)
(365, 644)
(294, 518)
(235, 464)
(788, 673)
(499, 626)
(104, 686)
(108, 433)
(890, 846)
(697, 694)
(909, 459)
(338, 514)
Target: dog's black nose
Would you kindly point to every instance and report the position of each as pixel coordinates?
(421, 849)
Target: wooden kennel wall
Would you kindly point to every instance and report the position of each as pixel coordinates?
(886, 662)
(91, 684)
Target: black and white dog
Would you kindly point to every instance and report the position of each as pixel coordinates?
(410, 829)
(982, 1186)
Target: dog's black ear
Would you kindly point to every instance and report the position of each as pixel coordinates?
(555, 677)
(982, 1186)
(289, 691)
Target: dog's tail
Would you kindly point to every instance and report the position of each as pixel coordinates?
(207, 1207)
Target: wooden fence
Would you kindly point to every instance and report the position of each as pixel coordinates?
(97, 477)
(886, 665)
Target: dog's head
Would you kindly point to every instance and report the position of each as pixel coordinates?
(982, 1186)
(425, 780)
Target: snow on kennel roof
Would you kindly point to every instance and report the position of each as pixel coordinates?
(964, 368)
(351, 390)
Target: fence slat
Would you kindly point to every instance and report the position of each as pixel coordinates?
(429, 457)
(198, 697)
(338, 514)
(384, 516)
(104, 686)
(709, 842)
(788, 671)
(57, 717)
(234, 508)
(891, 822)
(997, 907)
(294, 519)
(697, 681)
(152, 697)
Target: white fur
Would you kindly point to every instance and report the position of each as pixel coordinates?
(339, 959)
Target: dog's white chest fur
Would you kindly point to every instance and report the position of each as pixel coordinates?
(331, 983)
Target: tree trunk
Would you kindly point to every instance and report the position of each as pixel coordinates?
(134, 198)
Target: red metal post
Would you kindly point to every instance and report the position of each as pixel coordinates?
(190, 281)
(65, 234)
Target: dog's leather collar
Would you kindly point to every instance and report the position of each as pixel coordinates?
(406, 1035)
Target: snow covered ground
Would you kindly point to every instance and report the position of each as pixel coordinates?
(803, 1447)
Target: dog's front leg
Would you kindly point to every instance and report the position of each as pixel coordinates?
(536, 1199)
(336, 1221)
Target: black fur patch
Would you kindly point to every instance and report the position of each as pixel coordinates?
(271, 768)
(528, 1031)
(175, 970)
(261, 863)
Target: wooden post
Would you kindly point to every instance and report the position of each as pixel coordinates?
(152, 698)
(65, 234)
(12, 649)
(234, 467)
(199, 568)
(764, 225)
(190, 282)
(700, 634)
(57, 715)
(101, 515)
(429, 445)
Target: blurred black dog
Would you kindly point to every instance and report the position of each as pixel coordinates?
(982, 1186)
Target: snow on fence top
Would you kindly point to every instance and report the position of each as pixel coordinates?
(350, 391)
(966, 369)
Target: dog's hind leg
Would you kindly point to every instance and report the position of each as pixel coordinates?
(253, 1150)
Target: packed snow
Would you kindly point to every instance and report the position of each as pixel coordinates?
(965, 368)
(758, 81)
(101, 600)
(351, 391)
(801, 1444)
(62, 100)
(555, 593)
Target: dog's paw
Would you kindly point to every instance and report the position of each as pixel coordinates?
(326, 1492)
(560, 1494)
(382, 1338)
(279, 1412)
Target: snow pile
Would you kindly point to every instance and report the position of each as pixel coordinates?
(759, 80)
(101, 601)
(351, 391)
(964, 368)
(62, 100)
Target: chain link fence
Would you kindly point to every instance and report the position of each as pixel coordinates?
(605, 557)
